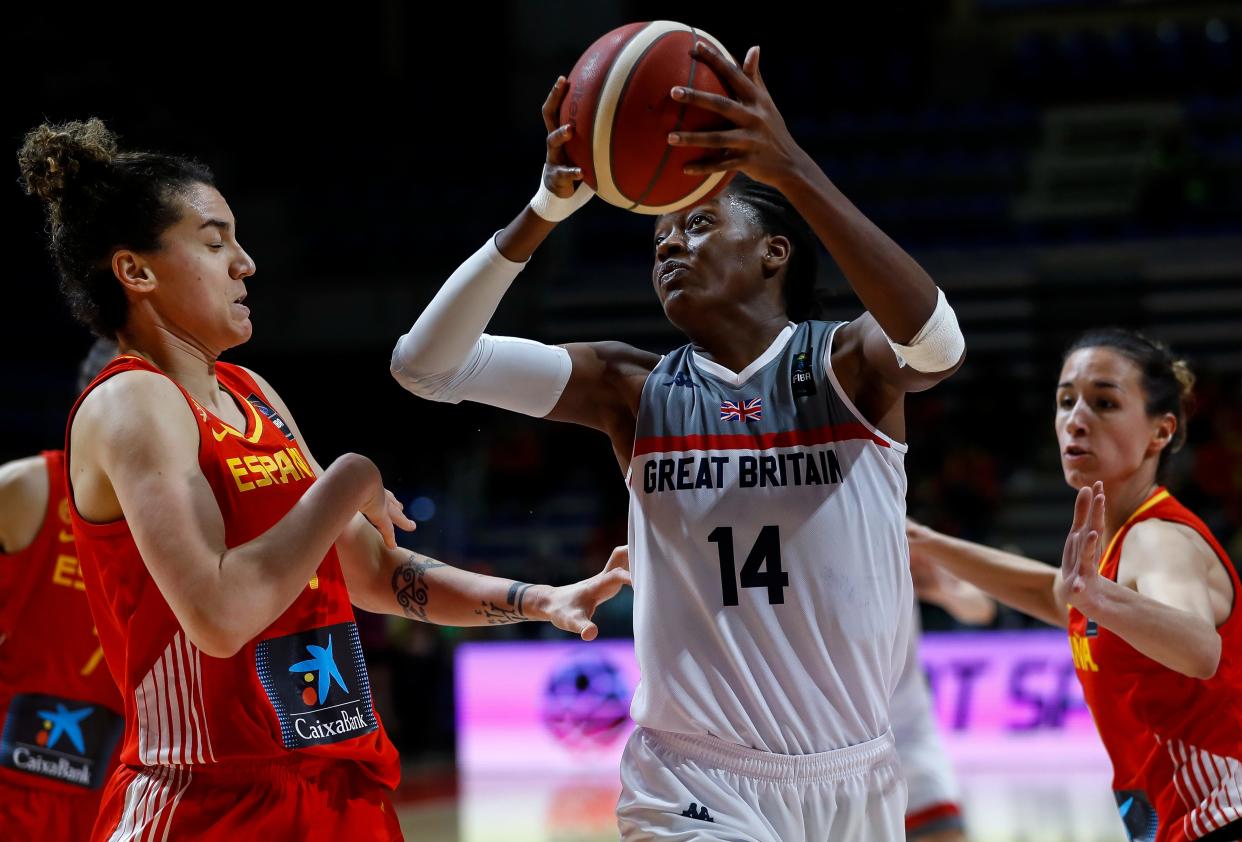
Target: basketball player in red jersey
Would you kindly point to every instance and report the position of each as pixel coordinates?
(1145, 590)
(59, 706)
(219, 558)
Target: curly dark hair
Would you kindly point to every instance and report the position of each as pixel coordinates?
(1168, 382)
(98, 200)
(777, 215)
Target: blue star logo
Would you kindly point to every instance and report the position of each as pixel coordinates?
(67, 723)
(322, 661)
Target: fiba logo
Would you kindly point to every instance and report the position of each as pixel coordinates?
(586, 703)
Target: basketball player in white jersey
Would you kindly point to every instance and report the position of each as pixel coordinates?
(765, 466)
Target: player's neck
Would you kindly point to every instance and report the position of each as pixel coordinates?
(184, 361)
(737, 342)
(1123, 499)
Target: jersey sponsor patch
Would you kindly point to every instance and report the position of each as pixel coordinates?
(1137, 814)
(802, 376)
(317, 683)
(62, 739)
(271, 415)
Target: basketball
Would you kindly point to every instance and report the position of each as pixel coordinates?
(622, 113)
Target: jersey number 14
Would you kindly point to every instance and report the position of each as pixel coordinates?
(765, 552)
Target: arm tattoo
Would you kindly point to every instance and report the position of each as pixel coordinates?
(511, 612)
(409, 585)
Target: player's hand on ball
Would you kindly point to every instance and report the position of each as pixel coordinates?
(571, 607)
(760, 145)
(559, 174)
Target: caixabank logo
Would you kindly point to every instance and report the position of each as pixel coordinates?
(317, 683)
(58, 738)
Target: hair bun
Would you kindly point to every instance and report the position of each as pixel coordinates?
(51, 155)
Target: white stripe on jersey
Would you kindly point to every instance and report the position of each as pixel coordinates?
(172, 727)
(147, 804)
(1210, 786)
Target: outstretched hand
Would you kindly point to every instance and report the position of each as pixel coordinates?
(1079, 583)
(385, 512)
(571, 607)
(759, 145)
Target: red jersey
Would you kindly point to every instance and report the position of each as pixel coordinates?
(300, 688)
(60, 707)
(1175, 741)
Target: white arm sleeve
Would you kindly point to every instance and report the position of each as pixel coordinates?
(446, 356)
(938, 345)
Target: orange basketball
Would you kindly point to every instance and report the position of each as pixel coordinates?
(622, 113)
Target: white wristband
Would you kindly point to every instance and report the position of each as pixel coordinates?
(547, 205)
(938, 345)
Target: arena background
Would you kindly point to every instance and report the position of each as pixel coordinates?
(1054, 164)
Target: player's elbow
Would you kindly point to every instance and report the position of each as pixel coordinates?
(1207, 659)
(216, 631)
(215, 641)
(406, 371)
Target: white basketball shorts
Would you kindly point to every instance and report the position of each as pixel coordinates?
(682, 787)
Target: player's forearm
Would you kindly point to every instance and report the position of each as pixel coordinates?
(1179, 640)
(1021, 583)
(256, 581)
(520, 238)
(967, 603)
(429, 590)
(889, 282)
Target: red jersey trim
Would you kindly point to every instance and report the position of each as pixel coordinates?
(764, 441)
(1158, 496)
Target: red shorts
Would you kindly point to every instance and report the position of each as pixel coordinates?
(31, 812)
(307, 799)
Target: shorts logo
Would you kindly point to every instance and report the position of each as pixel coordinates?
(60, 739)
(697, 812)
(271, 415)
(321, 699)
(801, 378)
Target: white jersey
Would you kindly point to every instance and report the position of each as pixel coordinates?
(768, 552)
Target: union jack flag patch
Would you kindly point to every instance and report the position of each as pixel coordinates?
(751, 410)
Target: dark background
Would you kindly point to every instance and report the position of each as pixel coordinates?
(1055, 165)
